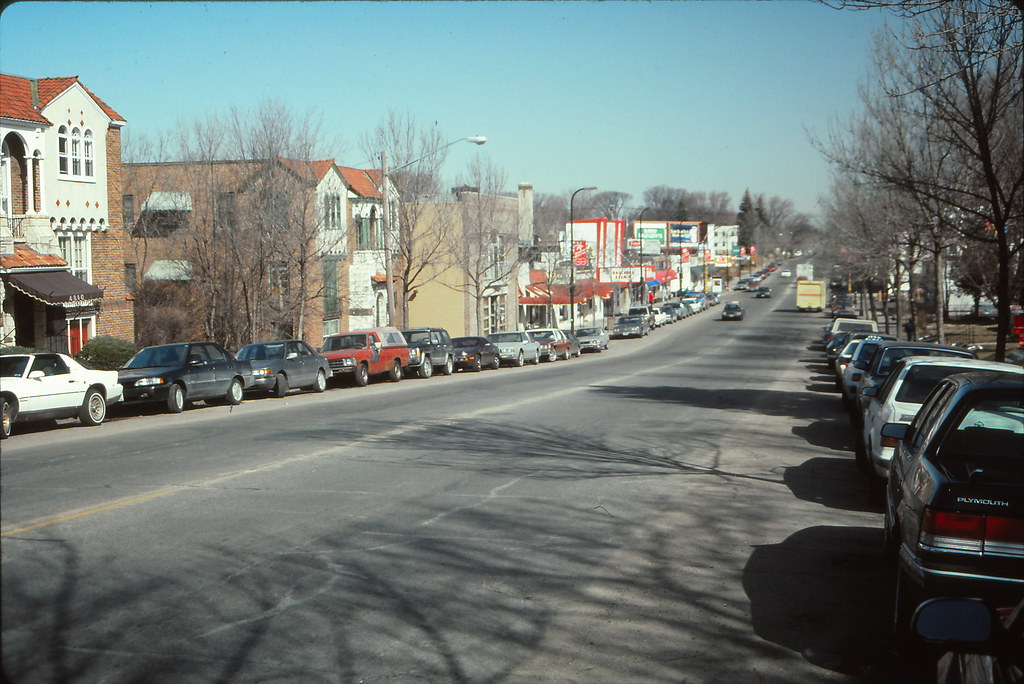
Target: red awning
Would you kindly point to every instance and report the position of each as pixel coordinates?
(666, 276)
(542, 293)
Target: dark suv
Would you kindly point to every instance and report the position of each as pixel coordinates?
(429, 349)
(954, 512)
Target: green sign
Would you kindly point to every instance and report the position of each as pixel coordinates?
(647, 233)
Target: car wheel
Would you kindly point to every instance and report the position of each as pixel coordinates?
(552, 356)
(321, 381)
(496, 362)
(233, 396)
(426, 368)
(449, 366)
(176, 398)
(566, 354)
(479, 365)
(520, 360)
(94, 408)
(6, 418)
(361, 375)
(280, 385)
(536, 358)
(395, 374)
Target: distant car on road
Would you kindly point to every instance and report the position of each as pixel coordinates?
(732, 312)
(430, 350)
(516, 347)
(50, 385)
(763, 292)
(176, 374)
(280, 365)
(475, 353)
(593, 338)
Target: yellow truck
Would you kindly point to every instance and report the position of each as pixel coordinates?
(810, 295)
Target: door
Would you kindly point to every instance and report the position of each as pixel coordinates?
(200, 376)
(222, 369)
(53, 387)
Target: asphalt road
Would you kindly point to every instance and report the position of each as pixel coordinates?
(683, 508)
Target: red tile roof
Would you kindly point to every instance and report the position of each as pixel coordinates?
(16, 97)
(26, 257)
(309, 170)
(16, 100)
(363, 182)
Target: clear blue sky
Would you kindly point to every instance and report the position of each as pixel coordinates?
(707, 96)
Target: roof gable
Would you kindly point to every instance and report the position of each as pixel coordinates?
(363, 182)
(16, 97)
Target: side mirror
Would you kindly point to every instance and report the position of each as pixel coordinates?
(36, 375)
(965, 621)
(897, 431)
(292, 355)
(860, 364)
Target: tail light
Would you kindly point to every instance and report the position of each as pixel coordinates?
(889, 441)
(973, 533)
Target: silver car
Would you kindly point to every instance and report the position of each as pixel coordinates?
(516, 347)
(592, 339)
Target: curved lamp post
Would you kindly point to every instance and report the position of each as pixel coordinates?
(572, 260)
(640, 257)
(386, 210)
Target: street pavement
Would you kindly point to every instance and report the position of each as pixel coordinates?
(682, 508)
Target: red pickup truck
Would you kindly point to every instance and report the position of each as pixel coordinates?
(362, 353)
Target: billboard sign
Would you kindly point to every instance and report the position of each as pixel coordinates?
(684, 232)
(625, 274)
(579, 253)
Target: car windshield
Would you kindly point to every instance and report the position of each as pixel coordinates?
(150, 357)
(506, 337)
(630, 320)
(541, 335)
(262, 352)
(414, 336)
(13, 366)
(732, 307)
(464, 342)
(586, 332)
(338, 342)
(920, 380)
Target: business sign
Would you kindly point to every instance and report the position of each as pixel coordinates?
(579, 253)
(723, 260)
(684, 232)
(633, 243)
(753, 250)
(625, 274)
(737, 251)
(685, 256)
(650, 232)
(707, 256)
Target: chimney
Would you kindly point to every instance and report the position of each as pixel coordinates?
(33, 85)
(526, 214)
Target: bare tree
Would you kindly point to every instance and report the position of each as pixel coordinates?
(942, 123)
(416, 154)
(485, 251)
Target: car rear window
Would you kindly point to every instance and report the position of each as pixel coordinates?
(338, 342)
(990, 435)
(922, 379)
(891, 356)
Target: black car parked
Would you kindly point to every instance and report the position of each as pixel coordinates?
(279, 365)
(475, 353)
(176, 374)
(954, 512)
(429, 349)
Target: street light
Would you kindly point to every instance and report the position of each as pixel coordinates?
(640, 258)
(572, 261)
(384, 175)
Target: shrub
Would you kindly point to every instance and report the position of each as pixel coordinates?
(14, 349)
(105, 353)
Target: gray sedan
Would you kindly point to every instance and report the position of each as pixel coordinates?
(592, 339)
(279, 365)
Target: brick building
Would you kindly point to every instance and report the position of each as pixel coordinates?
(61, 237)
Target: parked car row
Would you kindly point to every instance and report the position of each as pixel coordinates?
(41, 386)
(939, 434)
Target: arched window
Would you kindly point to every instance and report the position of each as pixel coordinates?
(63, 151)
(76, 152)
(87, 153)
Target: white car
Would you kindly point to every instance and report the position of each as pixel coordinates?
(662, 318)
(51, 385)
(516, 347)
(899, 397)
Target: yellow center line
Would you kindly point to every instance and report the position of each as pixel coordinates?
(90, 511)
